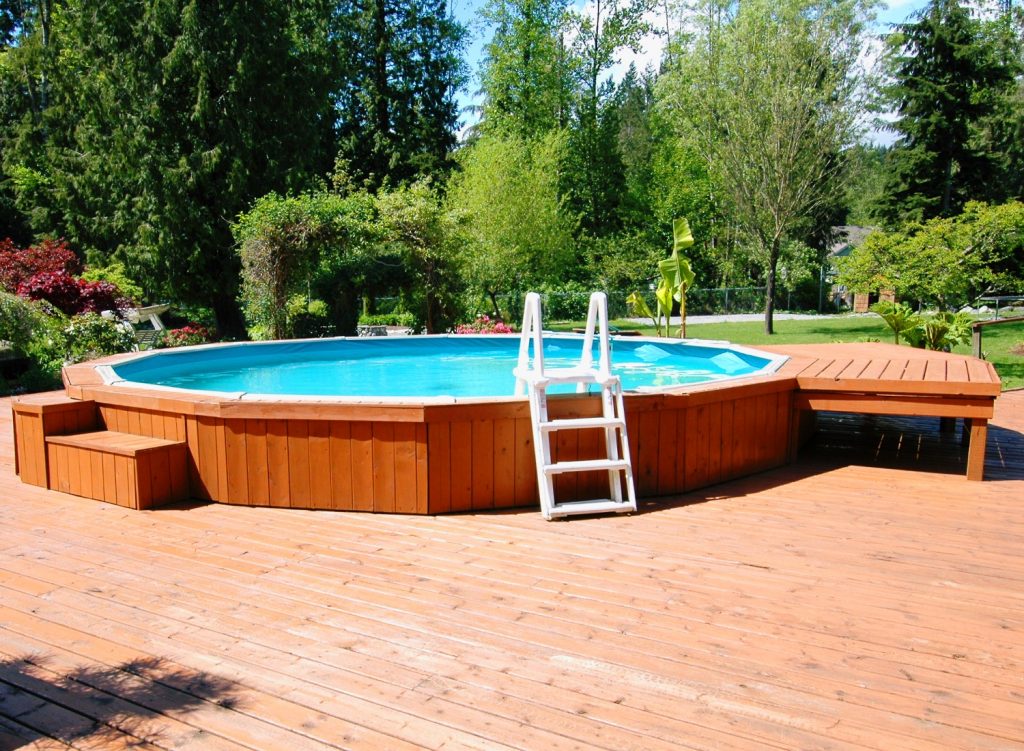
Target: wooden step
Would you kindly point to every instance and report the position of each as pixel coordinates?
(133, 471)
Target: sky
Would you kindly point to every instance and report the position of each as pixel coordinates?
(467, 12)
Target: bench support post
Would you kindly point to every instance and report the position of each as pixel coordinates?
(976, 448)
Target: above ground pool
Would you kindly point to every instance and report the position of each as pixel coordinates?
(423, 366)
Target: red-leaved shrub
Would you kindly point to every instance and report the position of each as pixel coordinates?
(71, 295)
(18, 265)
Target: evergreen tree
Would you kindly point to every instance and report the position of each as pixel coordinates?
(947, 78)
(165, 120)
(400, 68)
(594, 179)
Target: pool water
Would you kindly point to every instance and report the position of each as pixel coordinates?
(424, 366)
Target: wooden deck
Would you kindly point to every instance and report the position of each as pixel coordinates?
(846, 601)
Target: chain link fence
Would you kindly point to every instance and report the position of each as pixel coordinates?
(571, 305)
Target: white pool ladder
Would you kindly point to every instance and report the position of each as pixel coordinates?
(534, 378)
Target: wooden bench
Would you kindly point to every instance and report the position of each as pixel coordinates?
(886, 379)
(133, 471)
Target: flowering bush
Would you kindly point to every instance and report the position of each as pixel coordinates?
(186, 336)
(71, 295)
(18, 265)
(484, 325)
(90, 335)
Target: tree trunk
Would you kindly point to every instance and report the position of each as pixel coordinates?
(229, 319)
(769, 292)
(947, 188)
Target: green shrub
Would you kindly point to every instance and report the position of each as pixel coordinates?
(116, 275)
(308, 319)
(567, 302)
(90, 335)
(19, 321)
(388, 319)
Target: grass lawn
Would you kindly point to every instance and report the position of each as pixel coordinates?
(998, 341)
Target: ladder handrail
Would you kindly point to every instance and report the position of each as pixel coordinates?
(532, 332)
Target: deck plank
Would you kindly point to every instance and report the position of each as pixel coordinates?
(847, 601)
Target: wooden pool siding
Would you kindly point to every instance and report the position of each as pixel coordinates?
(432, 458)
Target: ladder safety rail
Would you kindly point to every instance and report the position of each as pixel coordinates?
(534, 379)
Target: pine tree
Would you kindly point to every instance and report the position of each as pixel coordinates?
(400, 69)
(166, 119)
(947, 78)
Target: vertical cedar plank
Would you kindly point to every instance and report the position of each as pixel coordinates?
(96, 473)
(784, 409)
(320, 464)
(19, 441)
(743, 421)
(341, 466)
(142, 470)
(763, 431)
(484, 459)
(422, 470)
(222, 473)
(693, 449)
(59, 462)
(439, 470)
(195, 481)
(405, 467)
(362, 466)
(727, 470)
(525, 462)
(383, 461)
(236, 461)
(298, 464)
(565, 448)
(701, 480)
(207, 460)
(134, 422)
(462, 465)
(55, 423)
(160, 477)
(133, 482)
(34, 466)
(591, 445)
(178, 469)
(145, 422)
(277, 463)
(668, 452)
(257, 481)
(109, 478)
(645, 471)
(504, 462)
(714, 412)
(682, 449)
(122, 496)
(74, 474)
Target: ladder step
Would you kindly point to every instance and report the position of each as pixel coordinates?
(586, 465)
(552, 376)
(582, 423)
(602, 506)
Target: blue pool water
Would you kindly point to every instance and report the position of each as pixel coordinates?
(422, 366)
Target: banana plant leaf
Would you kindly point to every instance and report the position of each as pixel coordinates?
(682, 237)
(676, 272)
